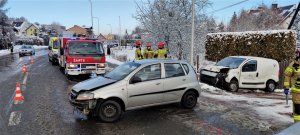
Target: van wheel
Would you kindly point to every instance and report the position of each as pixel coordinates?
(233, 86)
(110, 111)
(270, 86)
(189, 100)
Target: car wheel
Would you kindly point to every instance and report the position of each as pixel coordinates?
(110, 111)
(233, 86)
(270, 86)
(189, 100)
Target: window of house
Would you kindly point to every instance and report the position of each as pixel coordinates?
(173, 70)
(250, 66)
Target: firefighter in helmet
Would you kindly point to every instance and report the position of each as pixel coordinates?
(138, 51)
(292, 80)
(148, 52)
(161, 52)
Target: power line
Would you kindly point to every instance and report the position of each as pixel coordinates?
(228, 6)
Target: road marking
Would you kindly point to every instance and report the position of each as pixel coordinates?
(16, 102)
(25, 78)
(14, 119)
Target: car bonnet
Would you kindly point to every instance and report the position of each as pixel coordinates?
(93, 84)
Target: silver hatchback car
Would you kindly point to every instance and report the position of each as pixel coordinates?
(135, 85)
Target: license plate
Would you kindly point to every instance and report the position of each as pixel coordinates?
(90, 67)
(88, 71)
(212, 74)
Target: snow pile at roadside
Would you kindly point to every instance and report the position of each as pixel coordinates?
(266, 107)
(128, 52)
(112, 60)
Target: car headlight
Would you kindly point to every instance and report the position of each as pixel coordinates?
(72, 66)
(101, 65)
(85, 96)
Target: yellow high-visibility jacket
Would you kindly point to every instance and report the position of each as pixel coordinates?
(161, 53)
(138, 54)
(291, 73)
(148, 54)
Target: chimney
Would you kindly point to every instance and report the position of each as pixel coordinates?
(274, 6)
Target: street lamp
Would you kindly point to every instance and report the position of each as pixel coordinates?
(98, 24)
(91, 12)
(193, 32)
(110, 30)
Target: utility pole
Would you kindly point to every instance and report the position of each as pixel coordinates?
(98, 24)
(120, 38)
(92, 14)
(193, 32)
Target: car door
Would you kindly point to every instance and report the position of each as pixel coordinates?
(249, 77)
(174, 81)
(147, 88)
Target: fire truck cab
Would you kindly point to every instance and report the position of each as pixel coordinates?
(82, 56)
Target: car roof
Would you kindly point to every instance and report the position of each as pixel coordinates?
(250, 57)
(149, 61)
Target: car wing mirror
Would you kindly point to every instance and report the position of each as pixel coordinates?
(49, 47)
(135, 79)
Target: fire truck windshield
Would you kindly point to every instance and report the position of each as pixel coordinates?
(55, 44)
(85, 48)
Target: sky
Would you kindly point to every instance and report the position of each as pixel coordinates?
(71, 12)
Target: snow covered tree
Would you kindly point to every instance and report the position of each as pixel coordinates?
(6, 28)
(170, 21)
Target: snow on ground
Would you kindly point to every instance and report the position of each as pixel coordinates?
(128, 52)
(16, 49)
(112, 60)
(268, 107)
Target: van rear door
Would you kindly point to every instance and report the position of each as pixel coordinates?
(250, 77)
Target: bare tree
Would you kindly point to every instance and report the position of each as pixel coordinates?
(170, 21)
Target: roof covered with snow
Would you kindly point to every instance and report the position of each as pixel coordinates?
(287, 10)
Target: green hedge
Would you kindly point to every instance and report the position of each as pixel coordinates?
(278, 45)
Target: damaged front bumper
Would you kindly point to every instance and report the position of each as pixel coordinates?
(213, 78)
(84, 106)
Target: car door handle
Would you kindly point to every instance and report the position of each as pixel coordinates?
(183, 79)
(157, 83)
(257, 74)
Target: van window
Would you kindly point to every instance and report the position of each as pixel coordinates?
(250, 66)
(173, 70)
(148, 73)
(186, 68)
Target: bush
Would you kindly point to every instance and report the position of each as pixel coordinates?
(278, 45)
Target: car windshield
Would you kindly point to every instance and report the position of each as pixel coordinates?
(55, 44)
(122, 71)
(86, 48)
(231, 62)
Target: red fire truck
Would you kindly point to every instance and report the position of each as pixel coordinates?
(82, 56)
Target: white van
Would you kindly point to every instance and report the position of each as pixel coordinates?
(236, 72)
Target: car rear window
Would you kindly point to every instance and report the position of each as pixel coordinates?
(186, 68)
(173, 70)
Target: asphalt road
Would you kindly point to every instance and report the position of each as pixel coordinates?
(46, 110)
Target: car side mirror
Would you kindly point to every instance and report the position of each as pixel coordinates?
(135, 79)
(49, 47)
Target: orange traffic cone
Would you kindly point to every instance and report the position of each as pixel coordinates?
(18, 95)
(24, 69)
